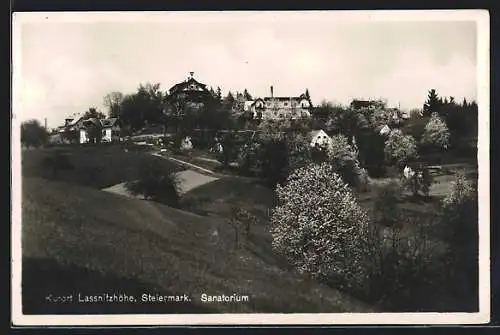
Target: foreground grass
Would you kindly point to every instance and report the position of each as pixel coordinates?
(218, 198)
(93, 166)
(76, 239)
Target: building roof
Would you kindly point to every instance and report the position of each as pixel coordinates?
(189, 81)
(248, 104)
(109, 122)
(315, 133)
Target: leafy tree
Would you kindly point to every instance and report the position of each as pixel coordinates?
(298, 151)
(33, 134)
(274, 162)
(146, 106)
(241, 221)
(94, 130)
(436, 133)
(93, 113)
(319, 227)
(344, 160)
(249, 158)
(156, 184)
(229, 149)
(400, 149)
(432, 104)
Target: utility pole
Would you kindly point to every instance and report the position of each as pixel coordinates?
(45, 123)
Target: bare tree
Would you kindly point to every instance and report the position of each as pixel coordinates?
(113, 101)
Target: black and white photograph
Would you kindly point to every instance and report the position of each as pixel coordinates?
(293, 167)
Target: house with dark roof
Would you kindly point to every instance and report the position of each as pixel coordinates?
(319, 138)
(190, 93)
(280, 107)
(110, 129)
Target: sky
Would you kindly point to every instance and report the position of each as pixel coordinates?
(66, 66)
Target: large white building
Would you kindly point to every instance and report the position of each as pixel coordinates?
(292, 107)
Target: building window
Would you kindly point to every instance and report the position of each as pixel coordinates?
(286, 103)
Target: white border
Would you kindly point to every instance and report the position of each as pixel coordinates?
(481, 17)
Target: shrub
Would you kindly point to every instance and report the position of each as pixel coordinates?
(229, 149)
(318, 226)
(156, 184)
(33, 134)
(371, 153)
(273, 166)
(248, 158)
(385, 207)
(420, 181)
(298, 150)
(436, 134)
(406, 270)
(459, 227)
(400, 148)
(344, 159)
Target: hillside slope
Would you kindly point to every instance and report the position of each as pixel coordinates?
(80, 240)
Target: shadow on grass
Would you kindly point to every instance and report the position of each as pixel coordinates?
(43, 281)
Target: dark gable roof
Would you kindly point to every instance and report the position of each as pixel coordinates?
(188, 82)
(109, 122)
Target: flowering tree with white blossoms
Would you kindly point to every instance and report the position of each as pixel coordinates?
(436, 133)
(400, 148)
(319, 227)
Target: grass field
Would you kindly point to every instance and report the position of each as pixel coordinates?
(217, 199)
(76, 239)
(93, 166)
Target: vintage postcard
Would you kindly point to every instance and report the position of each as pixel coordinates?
(250, 168)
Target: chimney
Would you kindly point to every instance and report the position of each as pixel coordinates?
(272, 96)
(45, 123)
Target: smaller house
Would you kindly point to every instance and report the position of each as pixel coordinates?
(186, 143)
(385, 130)
(320, 138)
(110, 129)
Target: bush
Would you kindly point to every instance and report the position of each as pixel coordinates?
(420, 181)
(229, 149)
(400, 149)
(406, 270)
(371, 153)
(385, 207)
(318, 226)
(273, 166)
(33, 134)
(248, 159)
(299, 151)
(156, 184)
(436, 134)
(459, 227)
(344, 160)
